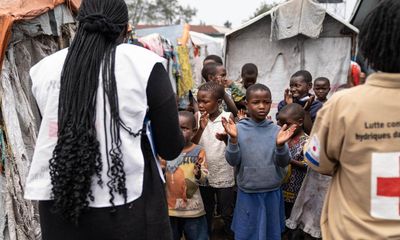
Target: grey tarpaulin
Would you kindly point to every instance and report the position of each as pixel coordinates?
(21, 220)
(31, 41)
(325, 56)
(46, 24)
(297, 17)
(2, 208)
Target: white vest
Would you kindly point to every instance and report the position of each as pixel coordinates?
(133, 66)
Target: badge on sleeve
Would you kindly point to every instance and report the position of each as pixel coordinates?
(385, 185)
(312, 151)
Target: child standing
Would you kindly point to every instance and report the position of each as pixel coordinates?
(306, 213)
(215, 72)
(299, 92)
(294, 114)
(322, 87)
(183, 175)
(221, 174)
(212, 59)
(257, 148)
(249, 76)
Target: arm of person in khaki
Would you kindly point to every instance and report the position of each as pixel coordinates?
(326, 139)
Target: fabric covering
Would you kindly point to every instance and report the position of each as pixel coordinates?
(28, 41)
(297, 17)
(15, 10)
(306, 213)
(186, 82)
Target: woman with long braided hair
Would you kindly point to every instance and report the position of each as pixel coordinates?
(94, 170)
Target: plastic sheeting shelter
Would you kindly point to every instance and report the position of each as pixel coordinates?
(209, 45)
(172, 33)
(17, 10)
(297, 35)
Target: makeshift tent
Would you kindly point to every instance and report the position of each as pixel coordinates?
(298, 34)
(30, 30)
(209, 45)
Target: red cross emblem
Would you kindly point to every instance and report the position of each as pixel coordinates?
(385, 185)
(389, 186)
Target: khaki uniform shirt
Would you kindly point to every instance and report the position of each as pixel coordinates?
(356, 139)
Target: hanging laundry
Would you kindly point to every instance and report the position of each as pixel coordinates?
(186, 82)
(154, 42)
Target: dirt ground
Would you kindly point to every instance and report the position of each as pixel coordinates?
(218, 230)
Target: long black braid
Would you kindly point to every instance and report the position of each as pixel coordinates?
(76, 157)
(380, 37)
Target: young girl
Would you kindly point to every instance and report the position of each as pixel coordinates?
(183, 176)
(303, 217)
(221, 175)
(306, 213)
(257, 148)
(294, 114)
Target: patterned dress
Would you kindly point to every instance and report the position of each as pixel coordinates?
(296, 174)
(307, 210)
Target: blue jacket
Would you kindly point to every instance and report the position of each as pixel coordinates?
(315, 107)
(260, 164)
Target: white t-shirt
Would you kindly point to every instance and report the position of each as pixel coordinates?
(220, 173)
(133, 66)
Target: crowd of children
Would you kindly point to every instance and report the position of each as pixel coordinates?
(239, 164)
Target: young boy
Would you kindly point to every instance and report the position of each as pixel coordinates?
(294, 114)
(183, 176)
(216, 72)
(221, 175)
(249, 75)
(221, 75)
(258, 149)
(299, 92)
(209, 71)
(212, 59)
(322, 87)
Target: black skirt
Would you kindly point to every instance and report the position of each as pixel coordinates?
(145, 218)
